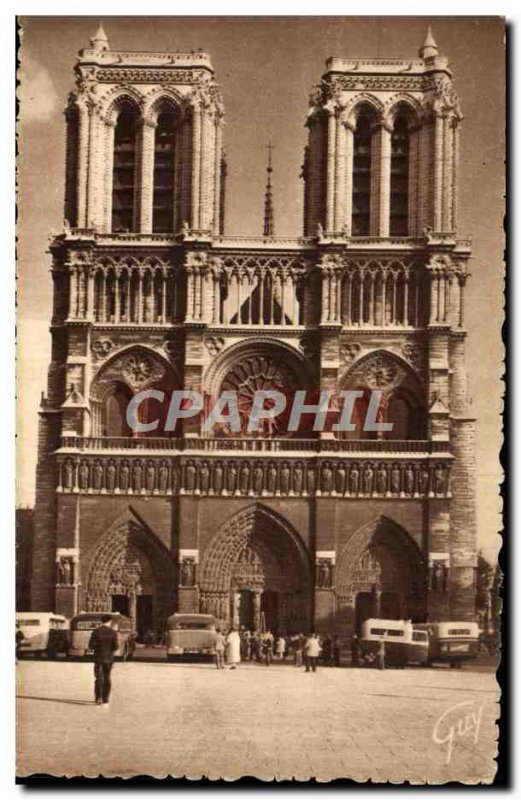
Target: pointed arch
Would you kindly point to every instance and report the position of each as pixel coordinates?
(381, 559)
(257, 551)
(128, 564)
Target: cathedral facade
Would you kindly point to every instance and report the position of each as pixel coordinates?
(289, 530)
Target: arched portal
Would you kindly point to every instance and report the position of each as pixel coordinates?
(256, 573)
(131, 572)
(380, 573)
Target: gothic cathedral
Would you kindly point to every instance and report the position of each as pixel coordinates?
(289, 530)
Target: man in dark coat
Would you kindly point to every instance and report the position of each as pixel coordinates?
(104, 643)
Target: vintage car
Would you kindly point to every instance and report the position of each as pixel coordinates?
(404, 643)
(41, 634)
(190, 634)
(83, 624)
(452, 642)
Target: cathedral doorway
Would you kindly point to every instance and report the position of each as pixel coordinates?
(256, 573)
(380, 574)
(132, 573)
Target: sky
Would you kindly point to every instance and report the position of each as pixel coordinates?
(266, 68)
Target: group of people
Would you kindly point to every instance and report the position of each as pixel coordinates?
(264, 647)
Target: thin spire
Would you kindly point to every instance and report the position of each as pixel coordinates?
(429, 48)
(99, 41)
(269, 228)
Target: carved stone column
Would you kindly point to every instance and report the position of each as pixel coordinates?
(148, 131)
(196, 165)
(348, 203)
(93, 182)
(384, 194)
(455, 165)
(340, 171)
(83, 162)
(331, 163)
(438, 170)
(446, 216)
(110, 127)
(217, 173)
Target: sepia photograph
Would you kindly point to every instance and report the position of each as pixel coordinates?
(259, 365)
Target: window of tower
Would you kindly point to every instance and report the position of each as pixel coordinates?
(400, 177)
(124, 172)
(361, 214)
(114, 421)
(163, 210)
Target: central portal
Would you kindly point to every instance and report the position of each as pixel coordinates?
(255, 574)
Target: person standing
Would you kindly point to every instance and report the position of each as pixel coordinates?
(267, 647)
(326, 650)
(218, 647)
(299, 647)
(312, 651)
(336, 651)
(381, 654)
(104, 643)
(233, 648)
(280, 648)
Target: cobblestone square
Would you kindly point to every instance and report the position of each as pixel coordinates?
(433, 725)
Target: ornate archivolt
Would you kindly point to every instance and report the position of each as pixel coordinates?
(259, 551)
(382, 556)
(129, 560)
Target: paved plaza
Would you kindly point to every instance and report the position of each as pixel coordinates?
(412, 725)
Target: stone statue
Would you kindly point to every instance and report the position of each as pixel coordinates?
(163, 477)
(272, 478)
(324, 574)
(190, 476)
(231, 478)
(285, 476)
(424, 481)
(327, 478)
(381, 479)
(340, 479)
(60, 578)
(150, 477)
(111, 476)
(437, 576)
(408, 480)
(124, 474)
(354, 480)
(297, 478)
(97, 476)
(69, 474)
(204, 478)
(445, 578)
(310, 480)
(188, 572)
(137, 476)
(395, 480)
(84, 476)
(258, 479)
(218, 478)
(439, 480)
(368, 479)
(245, 478)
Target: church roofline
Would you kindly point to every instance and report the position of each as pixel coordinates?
(385, 66)
(143, 58)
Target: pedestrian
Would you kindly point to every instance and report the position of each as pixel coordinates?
(254, 646)
(336, 651)
(233, 648)
(326, 650)
(312, 651)
(218, 648)
(299, 646)
(381, 654)
(280, 648)
(267, 647)
(104, 643)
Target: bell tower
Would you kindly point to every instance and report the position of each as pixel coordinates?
(144, 142)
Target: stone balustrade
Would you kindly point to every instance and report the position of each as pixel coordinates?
(254, 445)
